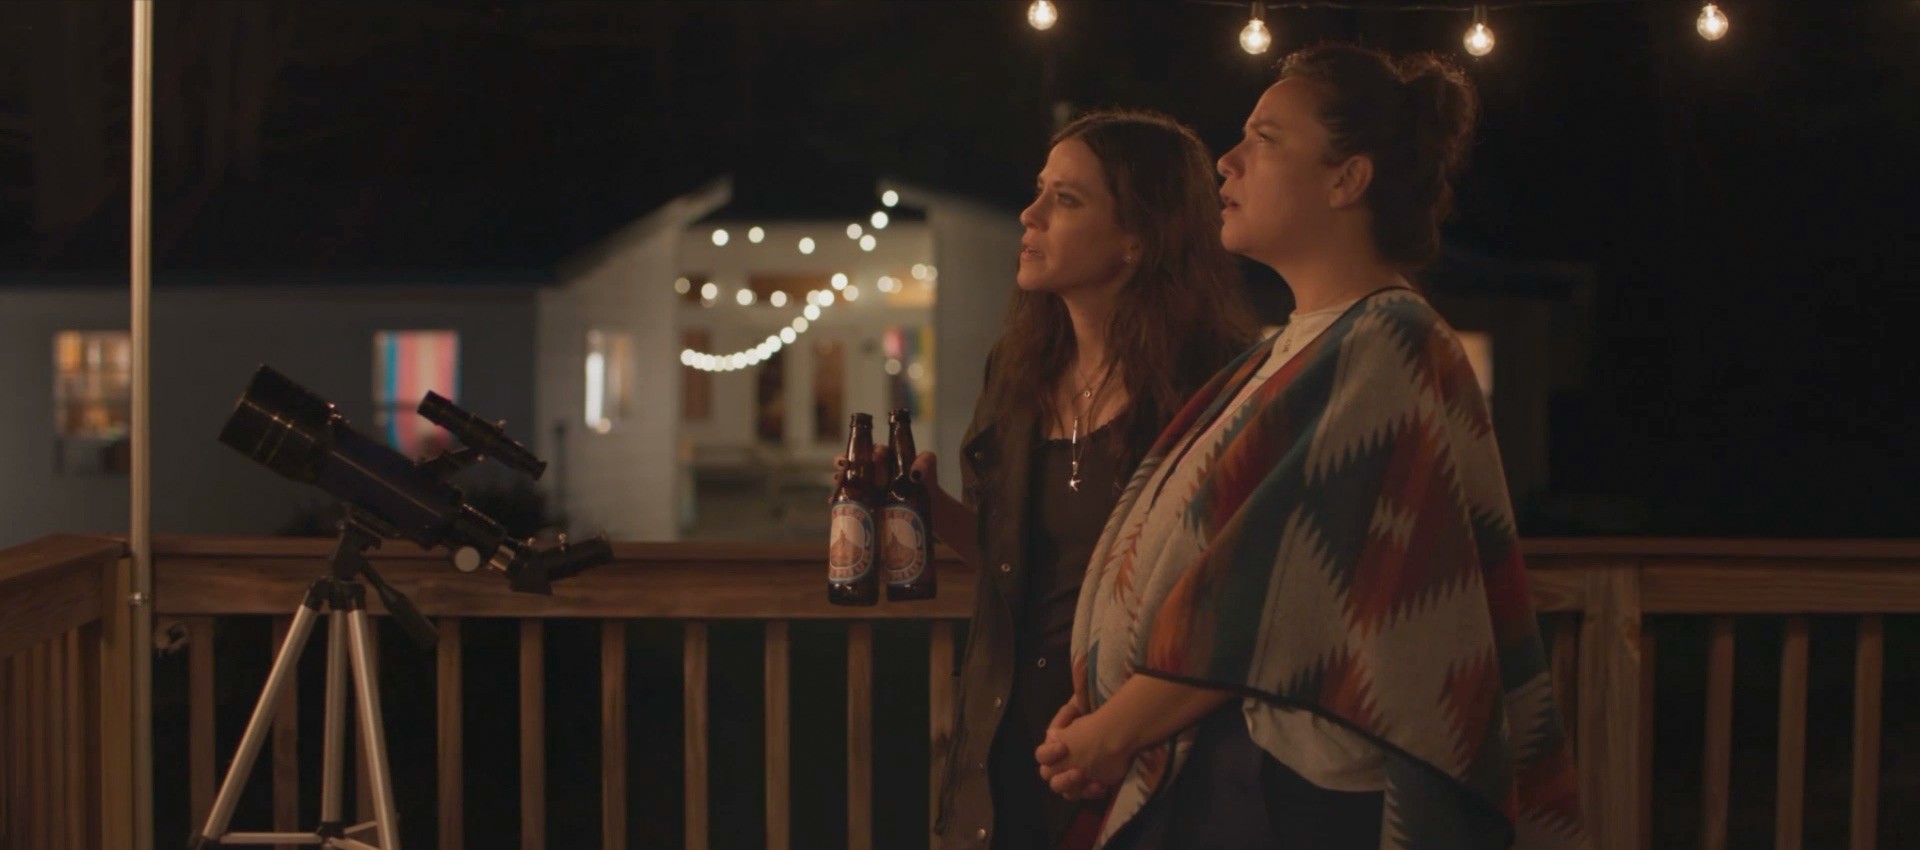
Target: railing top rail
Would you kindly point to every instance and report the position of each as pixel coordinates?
(1819, 549)
(54, 552)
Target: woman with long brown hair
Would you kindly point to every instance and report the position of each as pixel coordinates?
(1126, 304)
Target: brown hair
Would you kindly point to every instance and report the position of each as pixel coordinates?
(1177, 320)
(1413, 117)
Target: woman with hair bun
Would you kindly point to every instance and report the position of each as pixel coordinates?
(1307, 623)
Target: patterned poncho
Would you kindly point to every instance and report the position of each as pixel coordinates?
(1347, 548)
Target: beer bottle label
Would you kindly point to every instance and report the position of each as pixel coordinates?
(903, 548)
(850, 554)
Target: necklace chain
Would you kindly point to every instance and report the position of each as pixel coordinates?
(1087, 389)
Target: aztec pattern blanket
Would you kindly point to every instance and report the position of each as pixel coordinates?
(1346, 547)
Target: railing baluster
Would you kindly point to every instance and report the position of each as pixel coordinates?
(8, 783)
(286, 746)
(939, 716)
(694, 734)
(533, 735)
(1716, 771)
(36, 742)
(1566, 669)
(1610, 709)
(1790, 800)
(448, 656)
(200, 770)
(779, 737)
(860, 736)
(78, 769)
(613, 734)
(56, 778)
(1867, 665)
(93, 747)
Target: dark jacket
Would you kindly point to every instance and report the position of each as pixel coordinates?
(991, 453)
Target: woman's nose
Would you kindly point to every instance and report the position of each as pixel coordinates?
(1229, 162)
(1031, 218)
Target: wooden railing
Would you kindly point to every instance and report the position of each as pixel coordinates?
(64, 708)
(1599, 601)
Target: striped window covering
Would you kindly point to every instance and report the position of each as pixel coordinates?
(406, 365)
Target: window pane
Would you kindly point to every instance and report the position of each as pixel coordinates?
(607, 369)
(829, 389)
(406, 366)
(770, 399)
(696, 386)
(92, 384)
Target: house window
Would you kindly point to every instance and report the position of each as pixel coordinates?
(770, 399)
(92, 400)
(829, 390)
(696, 386)
(406, 366)
(609, 378)
(909, 369)
(1479, 348)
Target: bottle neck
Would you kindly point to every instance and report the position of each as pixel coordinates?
(903, 450)
(859, 453)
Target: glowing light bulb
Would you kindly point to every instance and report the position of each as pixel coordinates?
(889, 198)
(682, 285)
(744, 297)
(1712, 23)
(719, 237)
(1479, 39)
(806, 244)
(788, 336)
(686, 357)
(1254, 37)
(755, 234)
(1042, 15)
(826, 299)
(800, 325)
(777, 299)
(852, 293)
(854, 231)
(879, 220)
(839, 281)
(812, 312)
(919, 271)
(893, 366)
(709, 291)
(867, 242)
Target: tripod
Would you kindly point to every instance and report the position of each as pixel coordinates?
(349, 647)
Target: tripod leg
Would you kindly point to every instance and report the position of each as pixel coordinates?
(335, 747)
(367, 699)
(285, 666)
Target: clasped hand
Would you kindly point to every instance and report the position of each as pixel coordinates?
(1081, 759)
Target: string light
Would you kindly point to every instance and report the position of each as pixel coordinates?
(755, 234)
(1254, 37)
(867, 242)
(1042, 15)
(766, 348)
(879, 220)
(719, 236)
(1479, 38)
(854, 231)
(682, 286)
(889, 198)
(777, 299)
(806, 244)
(852, 293)
(744, 297)
(839, 280)
(709, 291)
(1712, 23)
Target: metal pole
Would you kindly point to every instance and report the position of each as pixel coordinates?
(141, 517)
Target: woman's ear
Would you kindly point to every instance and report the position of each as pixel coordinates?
(1350, 182)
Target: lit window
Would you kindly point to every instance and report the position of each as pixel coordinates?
(609, 378)
(406, 366)
(92, 400)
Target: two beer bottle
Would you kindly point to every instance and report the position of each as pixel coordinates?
(880, 528)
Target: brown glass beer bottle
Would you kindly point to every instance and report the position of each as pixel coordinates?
(853, 577)
(906, 521)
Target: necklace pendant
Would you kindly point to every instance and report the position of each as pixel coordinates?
(1073, 477)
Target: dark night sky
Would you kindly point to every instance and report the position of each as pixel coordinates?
(1747, 206)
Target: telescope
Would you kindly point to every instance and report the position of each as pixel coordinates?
(296, 433)
(286, 428)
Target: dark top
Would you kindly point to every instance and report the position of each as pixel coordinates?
(1063, 527)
